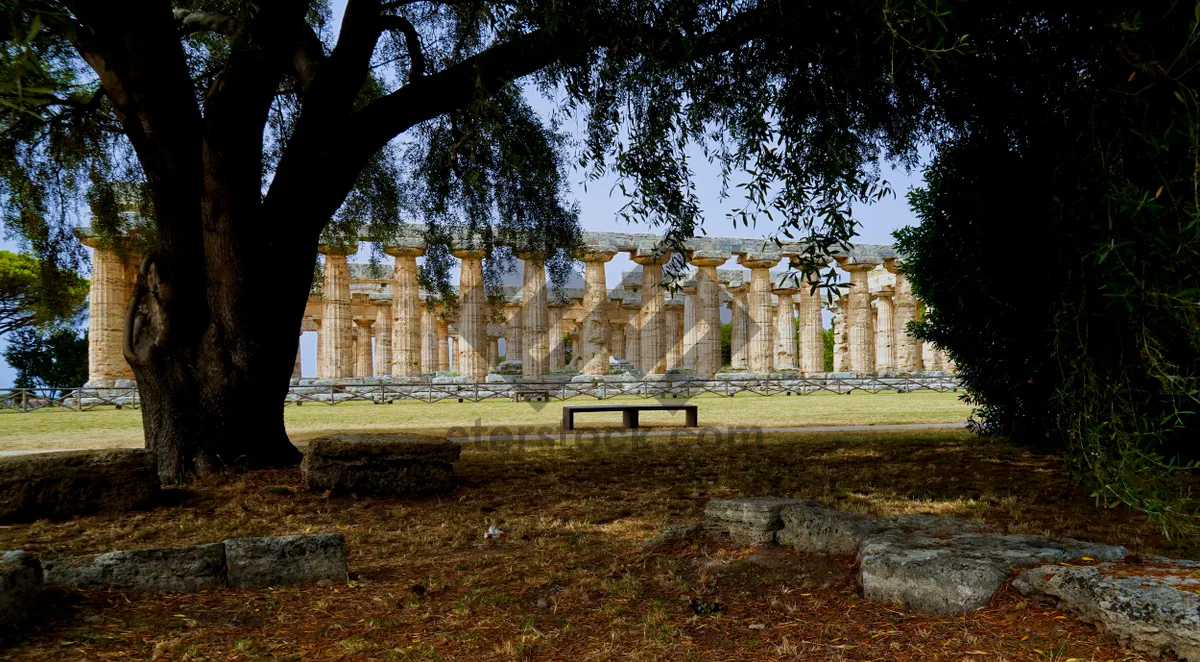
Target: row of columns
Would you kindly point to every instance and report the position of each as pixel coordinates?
(869, 328)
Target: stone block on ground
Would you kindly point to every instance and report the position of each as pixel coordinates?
(20, 587)
(807, 528)
(280, 560)
(381, 464)
(1153, 608)
(957, 573)
(674, 533)
(171, 569)
(65, 484)
(749, 520)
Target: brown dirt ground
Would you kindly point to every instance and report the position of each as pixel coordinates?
(572, 580)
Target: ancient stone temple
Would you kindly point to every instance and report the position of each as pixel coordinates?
(373, 322)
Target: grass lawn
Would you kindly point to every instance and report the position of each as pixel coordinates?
(572, 580)
(107, 428)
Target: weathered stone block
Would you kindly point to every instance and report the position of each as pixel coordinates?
(279, 560)
(957, 573)
(1152, 609)
(748, 520)
(171, 569)
(20, 586)
(807, 528)
(62, 485)
(382, 464)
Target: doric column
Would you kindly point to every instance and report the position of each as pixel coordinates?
(298, 370)
(320, 345)
(653, 320)
(707, 331)
(840, 357)
(383, 337)
(107, 302)
(557, 354)
(443, 341)
(632, 333)
(906, 350)
(929, 356)
(739, 327)
(760, 333)
(860, 331)
(338, 336)
(884, 338)
(472, 316)
(493, 351)
(513, 346)
(616, 338)
(429, 340)
(785, 329)
(362, 349)
(535, 319)
(452, 343)
(812, 340)
(406, 313)
(689, 327)
(596, 350)
(674, 330)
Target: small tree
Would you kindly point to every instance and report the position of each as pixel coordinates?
(48, 358)
(34, 293)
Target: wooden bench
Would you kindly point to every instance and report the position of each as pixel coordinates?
(629, 413)
(518, 396)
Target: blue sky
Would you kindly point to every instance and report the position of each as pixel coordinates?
(600, 204)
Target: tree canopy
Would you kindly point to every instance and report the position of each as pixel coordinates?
(32, 296)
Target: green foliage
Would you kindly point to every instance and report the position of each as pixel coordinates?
(827, 340)
(33, 296)
(48, 358)
(726, 344)
(1059, 239)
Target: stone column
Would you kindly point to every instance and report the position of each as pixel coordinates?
(758, 302)
(785, 329)
(674, 339)
(298, 371)
(616, 338)
(107, 303)
(689, 327)
(472, 316)
(739, 327)
(596, 349)
(406, 314)
(320, 345)
(906, 350)
(513, 346)
(860, 331)
(812, 339)
(557, 354)
(708, 315)
(443, 342)
(576, 351)
(884, 338)
(452, 343)
(535, 319)
(840, 362)
(493, 351)
(383, 337)
(362, 351)
(429, 340)
(633, 334)
(653, 320)
(338, 337)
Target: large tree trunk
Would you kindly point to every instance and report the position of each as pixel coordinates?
(213, 370)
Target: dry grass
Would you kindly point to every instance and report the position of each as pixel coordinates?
(109, 428)
(572, 580)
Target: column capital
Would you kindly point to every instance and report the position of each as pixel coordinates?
(785, 291)
(468, 253)
(759, 261)
(595, 254)
(846, 263)
(649, 258)
(708, 258)
(330, 249)
(884, 292)
(403, 250)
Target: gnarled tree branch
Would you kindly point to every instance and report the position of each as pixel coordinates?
(412, 41)
(200, 21)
